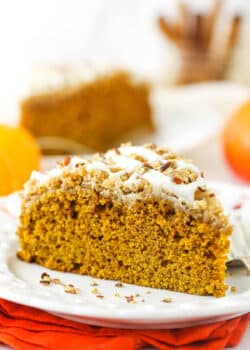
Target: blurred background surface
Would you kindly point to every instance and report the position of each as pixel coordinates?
(122, 33)
(194, 56)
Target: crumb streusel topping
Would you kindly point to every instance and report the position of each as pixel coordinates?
(130, 172)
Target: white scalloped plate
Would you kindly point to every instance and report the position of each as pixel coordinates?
(19, 282)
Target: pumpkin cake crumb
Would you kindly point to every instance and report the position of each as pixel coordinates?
(167, 300)
(93, 283)
(94, 291)
(69, 288)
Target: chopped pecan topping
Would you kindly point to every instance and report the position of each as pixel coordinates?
(165, 166)
(78, 165)
(201, 189)
(66, 160)
(177, 180)
(147, 165)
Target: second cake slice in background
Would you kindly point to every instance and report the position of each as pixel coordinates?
(85, 105)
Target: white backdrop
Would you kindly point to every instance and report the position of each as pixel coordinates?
(119, 31)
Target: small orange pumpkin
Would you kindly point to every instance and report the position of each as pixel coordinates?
(20, 153)
(6, 176)
(236, 142)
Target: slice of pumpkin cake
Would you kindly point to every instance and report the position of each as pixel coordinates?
(83, 107)
(138, 214)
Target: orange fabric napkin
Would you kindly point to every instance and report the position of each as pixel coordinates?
(26, 328)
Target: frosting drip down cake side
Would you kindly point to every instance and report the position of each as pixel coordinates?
(138, 214)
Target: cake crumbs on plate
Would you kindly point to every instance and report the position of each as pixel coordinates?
(45, 278)
(99, 296)
(117, 295)
(118, 285)
(233, 289)
(93, 283)
(130, 299)
(94, 291)
(56, 281)
(148, 292)
(70, 288)
(167, 300)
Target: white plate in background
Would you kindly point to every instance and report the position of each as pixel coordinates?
(188, 116)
